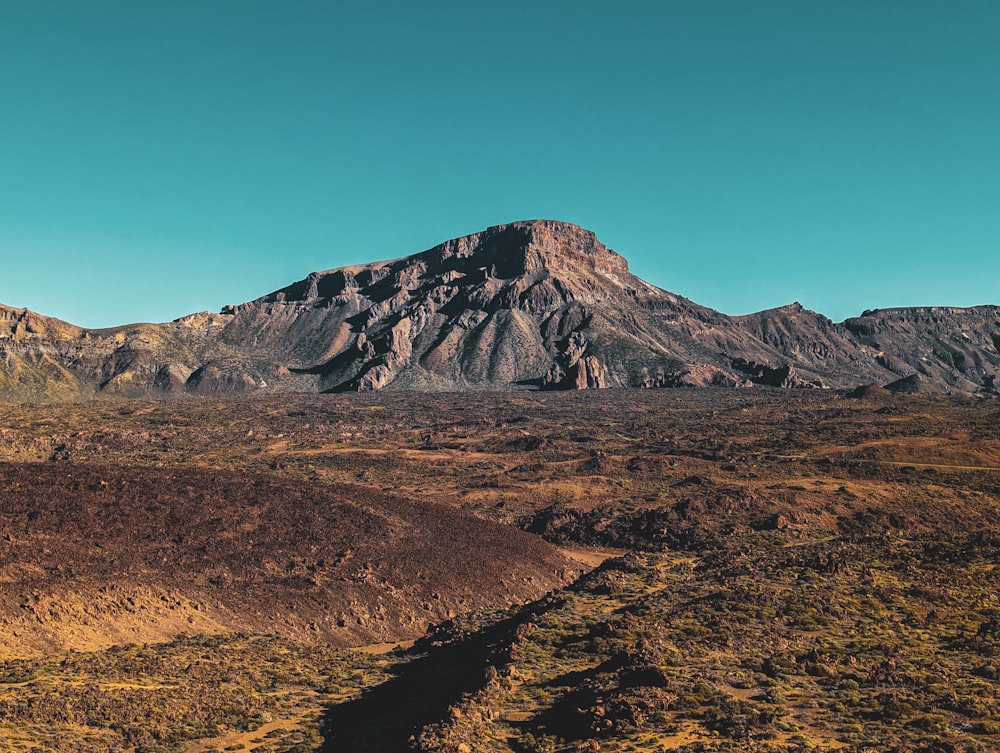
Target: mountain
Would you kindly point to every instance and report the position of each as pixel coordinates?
(535, 304)
(953, 348)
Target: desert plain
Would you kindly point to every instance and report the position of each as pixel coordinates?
(611, 570)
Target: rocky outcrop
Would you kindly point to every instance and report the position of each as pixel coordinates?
(693, 375)
(575, 370)
(587, 373)
(868, 392)
(535, 304)
(909, 385)
(783, 376)
(210, 379)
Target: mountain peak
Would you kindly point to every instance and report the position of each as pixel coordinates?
(530, 246)
(527, 249)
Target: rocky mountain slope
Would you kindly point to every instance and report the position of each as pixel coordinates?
(537, 304)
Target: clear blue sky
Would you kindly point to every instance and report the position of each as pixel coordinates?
(160, 158)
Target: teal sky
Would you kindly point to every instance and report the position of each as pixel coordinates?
(162, 158)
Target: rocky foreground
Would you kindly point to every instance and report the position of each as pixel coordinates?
(792, 571)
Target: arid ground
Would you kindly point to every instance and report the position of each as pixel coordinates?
(782, 570)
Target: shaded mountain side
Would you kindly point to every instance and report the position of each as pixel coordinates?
(817, 346)
(91, 556)
(537, 304)
(951, 348)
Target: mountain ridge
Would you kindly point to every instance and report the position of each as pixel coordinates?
(532, 304)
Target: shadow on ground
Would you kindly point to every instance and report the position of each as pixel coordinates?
(388, 718)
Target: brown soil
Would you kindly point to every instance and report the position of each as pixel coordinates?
(98, 555)
(806, 569)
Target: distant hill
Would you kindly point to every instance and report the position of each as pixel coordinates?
(535, 304)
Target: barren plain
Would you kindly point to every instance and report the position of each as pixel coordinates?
(773, 570)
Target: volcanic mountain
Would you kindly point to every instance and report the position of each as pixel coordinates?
(534, 304)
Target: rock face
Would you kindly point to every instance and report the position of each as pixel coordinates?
(774, 376)
(539, 304)
(949, 348)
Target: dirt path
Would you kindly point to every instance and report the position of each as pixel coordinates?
(384, 648)
(249, 740)
(895, 463)
(591, 557)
